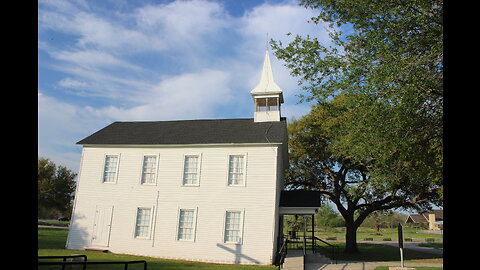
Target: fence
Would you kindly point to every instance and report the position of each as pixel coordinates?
(85, 263)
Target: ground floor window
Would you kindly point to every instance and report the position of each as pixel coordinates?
(186, 224)
(142, 227)
(233, 227)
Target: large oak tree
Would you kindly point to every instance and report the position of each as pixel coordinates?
(374, 141)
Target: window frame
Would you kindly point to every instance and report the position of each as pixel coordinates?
(102, 178)
(194, 224)
(244, 180)
(267, 107)
(241, 225)
(150, 225)
(157, 163)
(199, 169)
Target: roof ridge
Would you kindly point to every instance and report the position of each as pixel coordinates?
(181, 120)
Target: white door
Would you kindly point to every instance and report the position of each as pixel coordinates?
(102, 225)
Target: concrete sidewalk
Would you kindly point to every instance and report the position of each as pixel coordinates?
(363, 265)
(354, 265)
(346, 265)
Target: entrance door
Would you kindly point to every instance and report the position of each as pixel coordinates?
(102, 225)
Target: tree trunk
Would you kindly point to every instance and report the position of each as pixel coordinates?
(351, 239)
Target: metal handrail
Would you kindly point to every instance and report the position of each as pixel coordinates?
(328, 244)
(281, 254)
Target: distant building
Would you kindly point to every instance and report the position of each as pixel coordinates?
(434, 219)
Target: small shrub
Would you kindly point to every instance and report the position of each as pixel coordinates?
(387, 239)
(430, 240)
(408, 239)
(331, 238)
(368, 239)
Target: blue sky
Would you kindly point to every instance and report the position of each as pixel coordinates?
(112, 60)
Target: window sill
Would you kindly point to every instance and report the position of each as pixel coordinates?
(186, 240)
(232, 243)
(142, 238)
(148, 184)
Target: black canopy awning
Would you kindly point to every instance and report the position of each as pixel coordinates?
(300, 198)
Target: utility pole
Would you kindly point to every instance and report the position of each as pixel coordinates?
(400, 242)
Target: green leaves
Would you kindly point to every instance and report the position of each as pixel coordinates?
(55, 186)
(379, 89)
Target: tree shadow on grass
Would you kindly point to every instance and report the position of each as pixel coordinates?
(378, 252)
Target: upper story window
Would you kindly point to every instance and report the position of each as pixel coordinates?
(236, 170)
(267, 104)
(149, 170)
(191, 168)
(110, 168)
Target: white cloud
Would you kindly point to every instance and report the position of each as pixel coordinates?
(60, 126)
(198, 82)
(184, 24)
(187, 96)
(277, 20)
(93, 59)
(71, 83)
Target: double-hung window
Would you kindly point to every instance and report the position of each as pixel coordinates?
(236, 170)
(191, 169)
(110, 168)
(143, 221)
(233, 227)
(149, 170)
(186, 224)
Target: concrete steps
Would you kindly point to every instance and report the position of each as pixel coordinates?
(294, 260)
(317, 258)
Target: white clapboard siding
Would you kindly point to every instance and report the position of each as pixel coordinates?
(258, 201)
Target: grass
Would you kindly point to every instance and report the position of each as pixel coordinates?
(375, 252)
(416, 267)
(432, 245)
(54, 223)
(392, 233)
(52, 238)
(51, 242)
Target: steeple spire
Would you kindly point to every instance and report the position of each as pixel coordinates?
(267, 95)
(267, 83)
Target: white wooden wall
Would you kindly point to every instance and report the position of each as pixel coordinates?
(258, 199)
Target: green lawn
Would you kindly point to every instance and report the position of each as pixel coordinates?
(373, 252)
(432, 245)
(51, 242)
(392, 233)
(416, 267)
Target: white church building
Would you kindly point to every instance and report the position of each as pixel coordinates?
(199, 190)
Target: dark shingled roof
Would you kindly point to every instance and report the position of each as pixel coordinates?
(299, 198)
(190, 132)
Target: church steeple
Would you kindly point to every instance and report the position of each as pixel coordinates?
(267, 95)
